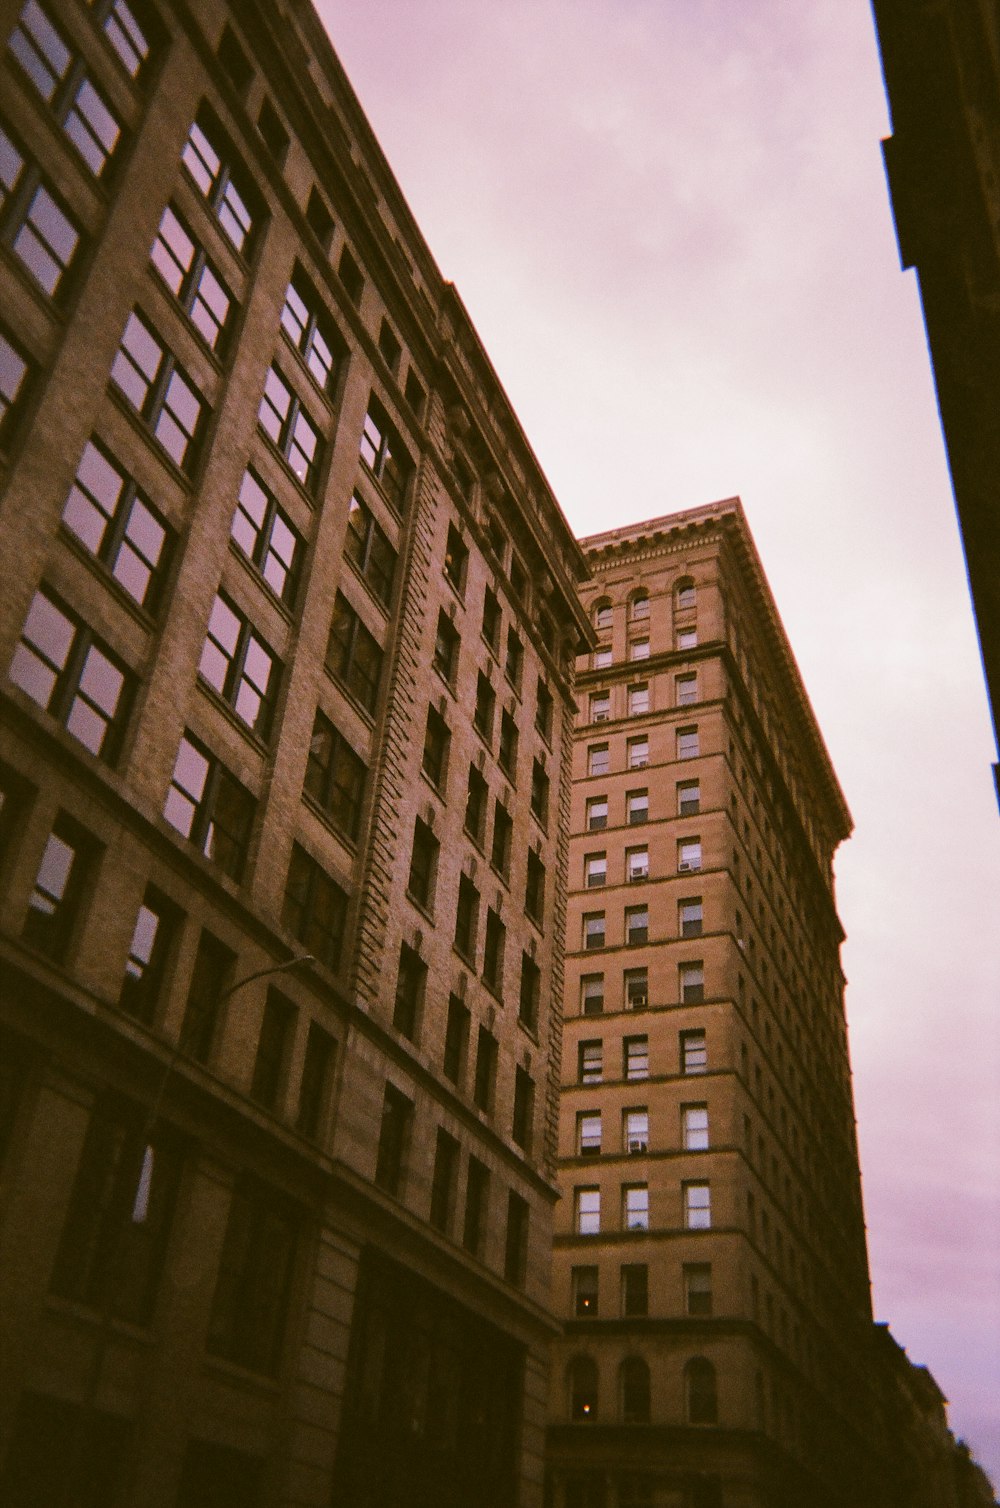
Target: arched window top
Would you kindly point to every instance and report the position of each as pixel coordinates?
(635, 1390)
(582, 1377)
(685, 593)
(602, 614)
(700, 1390)
(638, 606)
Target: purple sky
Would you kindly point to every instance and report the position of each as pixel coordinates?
(670, 225)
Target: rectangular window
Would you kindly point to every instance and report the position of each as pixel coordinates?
(638, 649)
(61, 80)
(688, 798)
(515, 1261)
(485, 708)
(689, 917)
(687, 743)
(697, 1288)
(491, 620)
(444, 1181)
(315, 908)
(597, 813)
(534, 888)
(697, 1206)
(590, 1061)
(266, 536)
(477, 795)
(384, 454)
(434, 761)
(456, 1040)
(220, 178)
(493, 953)
(585, 1292)
(314, 1091)
(150, 954)
(507, 759)
(636, 1053)
(108, 515)
(152, 380)
(514, 665)
(694, 1052)
(393, 1141)
(592, 995)
(636, 865)
(686, 690)
(477, 1193)
(687, 638)
(600, 706)
(33, 222)
(353, 655)
(602, 657)
(189, 275)
(210, 978)
(456, 559)
(61, 883)
(540, 792)
(637, 752)
(587, 1211)
(692, 983)
(530, 992)
(636, 989)
(274, 1045)
(543, 710)
(310, 331)
(71, 675)
(588, 1133)
(272, 132)
(598, 759)
(335, 777)
(635, 1207)
(523, 1120)
(411, 985)
(208, 806)
(446, 643)
(132, 32)
(635, 1131)
(423, 865)
(694, 1128)
(368, 548)
(247, 1323)
(390, 347)
(635, 1289)
(467, 919)
(283, 418)
(595, 870)
(637, 808)
(688, 855)
(638, 699)
(236, 662)
(15, 383)
(486, 1070)
(636, 925)
(593, 929)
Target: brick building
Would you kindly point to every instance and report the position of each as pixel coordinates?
(286, 651)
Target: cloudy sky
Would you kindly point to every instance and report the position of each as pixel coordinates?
(669, 222)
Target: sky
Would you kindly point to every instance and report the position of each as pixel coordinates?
(668, 220)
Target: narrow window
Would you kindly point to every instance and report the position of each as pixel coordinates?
(423, 865)
(335, 777)
(118, 525)
(411, 985)
(310, 330)
(274, 1045)
(149, 956)
(195, 283)
(477, 1188)
(444, 1181)
(247, 1324)
(456, 1040)
(154, 383)
(367, 547)
(266, 536)
(210, 808)
(394, 1135)
(530, 992)
(524, 1110)
(384, 454)
(486, 1070)
(284, 419)
(493, 952)
(353, 655)
(315, 908)
(236, 662)
(316, 1076)
(221, 180)
(57, 897)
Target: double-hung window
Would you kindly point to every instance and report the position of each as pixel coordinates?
(635, 1206)
(315, 908)
(220, 179)
(309, 329)
(588, 1212)
(636, 1053)
(193, 281)
(116, 523)
(368, 548)
(237, 663)
(264, 533)
(153, 381)
(133, 40)
(335, 777)
(283, 418)
(60, 888)
(61, 80)
(207, 805)
(636, 925)
(156, 927)
(33, 222)
(353, 655)
(697, 1206)
(384, 454)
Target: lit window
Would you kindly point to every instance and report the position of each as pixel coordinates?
(588, 1133)
(597, 813)
(694, 1128)
(588, 1212)
(636, 925)
(237, 664)
(636, 1055)
(590, 1061)
(353, 655)
(638, 699)
(592, 994)
(698, 1288)
(600, 706)
(63, 667)
(107, 514)
(689, 918)
(686, 690)
(635, 1207)
(694, 1052)
(62, 82)
(585, 1292)
(688, 798)
(151, 379)
(636, 864)
(638, 649)
(315, 908)
(309, 330)
(32, 222)
(368, 548)
(284, 420)
(638, 753)
(264, 533)
(692, 983)
(220, 181)
(335, 777)
(191, 278)
(598, 759)
(208, 806)
(697, 1206)
(383, 453)
(637, 808)
(595, 870)
(688, 855)
(593, 930)
(636, 989)
(583, 1389)
(635, 1131)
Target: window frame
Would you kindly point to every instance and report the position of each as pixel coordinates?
(155, 408)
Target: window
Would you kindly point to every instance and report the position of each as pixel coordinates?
(350, 276)
(688, 855)
(635, 1289)
(697, 1288)
(273, 1050)
(515, 1259)
(638, 649)
(590, 1061)
(234, 61)
(114, 1240)
(393, 1141)
(638, 699)
(636, 864)
(208, 806)
(692, 983)
(149, 955)
(389, 347)
(636, 925)
(694, 1052)
(598, 759)
(635, 1207)
(697, 1206)
(62, 82)
(687, 638)
(456, 559)
(210, 978)
(493, 952)
(595, 870)
(491, 621)
(689, 917)
(467, 918)
(602, 658)
(192, 279)
(688, 798)
(237, 664)
(539, 792)
(514, 664)
(687, 743)
(132, 41)
(57, 898)
(434, 762)
(477, 1189)
(154, 383)
(694, 1128)
(106, 513)
(636, 989)
(588, 1212)
(588, 1133)
(309, 330)
(485, 709)
(603, 616)
(316, 1078)
(638, 608)
(414, 394)
(636, 1054)
(34, 224)
(534, 888)
(456, 1039)
(593, 929)
(63, 667)
(319, 219)
(524, 1109)
(444, 1181)
(685, 594)
(503, 832)
(635, 1131)
(635, 1391)
(353, 655)
(530, 992)
(286, 423)
(367, 547)
(486, 1070)
(315, 908)
(686, 690)
(247, 1323)
(543, 710)
(507, 753)
(423, 865)
(446, 644)
(585, 1292)
(637, 753)
(597, 813)
(264, 533)
(582, 1376)
(637, 808)
(221, 181)
(383, 453)
(272, 132)
(14, 385)
(592, 995)
(411, 984)
(600, 706)
(335, 777)
(700, 1392)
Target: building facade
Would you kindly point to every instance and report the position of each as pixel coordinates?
(710, 1257)
(286, 648)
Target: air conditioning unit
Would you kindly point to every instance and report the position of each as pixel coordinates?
(640, 874)
(638, 764)
(635, 1144)
(638, 1001)
(685, 866)
(600, 717)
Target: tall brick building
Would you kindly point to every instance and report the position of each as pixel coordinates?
(286, 651)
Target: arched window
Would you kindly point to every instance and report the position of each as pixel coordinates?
(638, 608)
(602, 616)
(700, 1392)
(635, 1391)
(582, 1388)
(685, 594)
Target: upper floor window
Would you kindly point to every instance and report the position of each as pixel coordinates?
(697, 1206)
(687, 743)
(423, 865)
(685, 594)
(456, 559)
(637, 753)
(153, 937)
(335, 776)
(33, 222)
(600, 706)
(308, 327)
(247, 1322)
(638, 649)
(240, 666)
(694, 1052)
(384, 454)
(597, 813)
(208, 805)
(108, 515)
(598, 759)
(530, 992)
(354, 655)
(60, 887)
(638, 608)
(686, 687)
(688, 798)
(638, 699)
(446, 646)
(543, 710)
(315, 908)
(700, 1390)
(220, 178)
(193, 281)
(603, 616)
(687, 638)
(158, 388)
(265, 534)
(61, 80)
(14, 384)
(284, 420)
(534, 890)
(368, 547)
(602, 657)
(131, 29)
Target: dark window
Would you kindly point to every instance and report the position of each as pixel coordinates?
(353, 655)
(234, 61)
(698, 1287)
(411, 983)
(534, 888)
(423, 865)
(491, 620)
(699, 1383)
(118, 1222)
(524, 1109)
(493, 952)
(456, 1039)
(475, 805)
(15, 802)
(131, 28)
(350, 276)
(272, 131)
(310, 330)
(220, 178)
(486, 1070)
(367, 546)
(335, 777)
(514, 664)
(515, 1259)
(265, 534)
(152, 380)
(414, 394)
(636, 989)
(531, 990)
(315, 908)
(585, 1292)
(443, 1181)
(315, 1085)
(61, 1453)
(394, 1135)
(61, 80)
(319, 218)
(209, 806)
(150, 954)
(210, 979)
(543, 710)
(503, 832)
(56, 900)
(247, 1323)
(467, 918)
(108, 514)
(583, 1388)
(635, 1391)
(456, 559)
(485, 707)
(15, 384)
(274, 1047)
(383, 453)
(216, 1476)
(32, 221)
(389, 347)
(507, 755)
(237, 663)
(283, 418)
(635, 1289)
(539, 792)
(446, 644)
(477, 1191)
(191, 278)
(62, 666)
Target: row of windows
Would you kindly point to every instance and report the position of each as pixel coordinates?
(636, 928)
(635, 1056)
(696, 1281)
(635, 1130)
(59, 76)
(635, 988)
(685, 599)
(688, 804)
(696, 1203)
(434, 762)
(422, 881)
(700, 1393)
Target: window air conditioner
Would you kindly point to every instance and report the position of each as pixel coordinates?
(640, 874)
(638, 1001)
(600, 717)
(685, 866)
(636, 1144)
